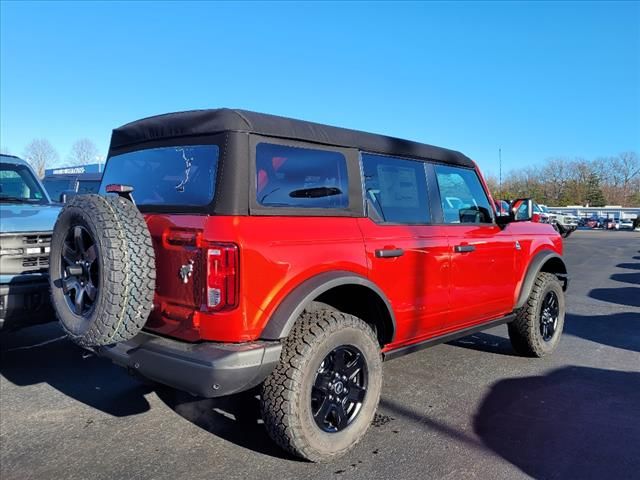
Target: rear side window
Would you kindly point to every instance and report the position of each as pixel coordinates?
(462, 196)
(171, 176)
(396, 189)
(300, 177)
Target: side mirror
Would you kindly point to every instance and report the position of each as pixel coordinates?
(66, 195)
(521, 210)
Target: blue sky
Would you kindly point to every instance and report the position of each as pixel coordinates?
(536, 79)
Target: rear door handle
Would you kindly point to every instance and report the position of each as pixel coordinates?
(464, 248)
(389, 252)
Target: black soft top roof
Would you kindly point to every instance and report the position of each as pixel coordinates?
(207, 122)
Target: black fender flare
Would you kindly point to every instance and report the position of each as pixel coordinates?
(534, 268)
(289, 309)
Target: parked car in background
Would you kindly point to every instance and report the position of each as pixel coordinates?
(541, 215)
(27, 216)
(624, 224)
(231, 249)
(62, 183)
(564, 223)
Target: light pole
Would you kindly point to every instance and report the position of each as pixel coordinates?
(500, 172)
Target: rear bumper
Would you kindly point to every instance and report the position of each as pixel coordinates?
(25, 301)
(202, 369)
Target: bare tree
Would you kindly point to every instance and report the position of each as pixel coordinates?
(83, 151)
(614, 180)
(628, 166)
(555, 175)
(579, 175)
(493, 185)
(40, 153)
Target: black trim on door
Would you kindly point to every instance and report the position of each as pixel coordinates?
(448, 337)
(437, 217)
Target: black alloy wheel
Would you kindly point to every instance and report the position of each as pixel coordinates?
(80, 270)
(339, 388)
(549, 313)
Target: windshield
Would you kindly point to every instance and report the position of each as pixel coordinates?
(55, 186)
(167, 176)
(18, 184)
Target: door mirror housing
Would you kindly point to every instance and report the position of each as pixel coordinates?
(66, 195)
(520, 210)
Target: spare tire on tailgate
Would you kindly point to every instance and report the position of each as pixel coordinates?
(101, 270)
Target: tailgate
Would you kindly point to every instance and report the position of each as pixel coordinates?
(179, 278)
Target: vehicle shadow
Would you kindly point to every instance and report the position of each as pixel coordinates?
(619, 330)
(486, 342)
(574, 422)
(623, 296)
(630, 266)
(42, 354)
(235, 418)
(633, 278)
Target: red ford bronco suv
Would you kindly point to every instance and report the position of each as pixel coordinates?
(230, 249)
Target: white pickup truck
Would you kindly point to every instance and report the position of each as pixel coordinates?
(564, 223)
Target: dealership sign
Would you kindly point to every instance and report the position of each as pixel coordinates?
(90, 168)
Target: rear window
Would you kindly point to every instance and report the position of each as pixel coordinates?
(300, 177)
(183, 175)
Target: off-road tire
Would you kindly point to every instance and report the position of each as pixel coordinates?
(126, 264)
(524, 331)
(286, 393)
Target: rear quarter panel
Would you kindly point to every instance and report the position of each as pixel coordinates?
(276, 255)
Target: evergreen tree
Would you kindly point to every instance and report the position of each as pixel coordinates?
(595, 197)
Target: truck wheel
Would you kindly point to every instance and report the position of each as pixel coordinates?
(538, 326)
(101, 270)
(321, 398)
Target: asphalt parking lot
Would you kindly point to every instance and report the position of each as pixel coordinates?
(467, 409)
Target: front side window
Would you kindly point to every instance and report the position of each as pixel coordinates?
(167, 176)
(300, 177)
(462, 196)
(396, 189)
(18, 185)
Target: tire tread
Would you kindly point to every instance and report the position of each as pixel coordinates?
(280, 389)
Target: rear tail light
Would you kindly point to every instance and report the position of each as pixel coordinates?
(222, 276)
